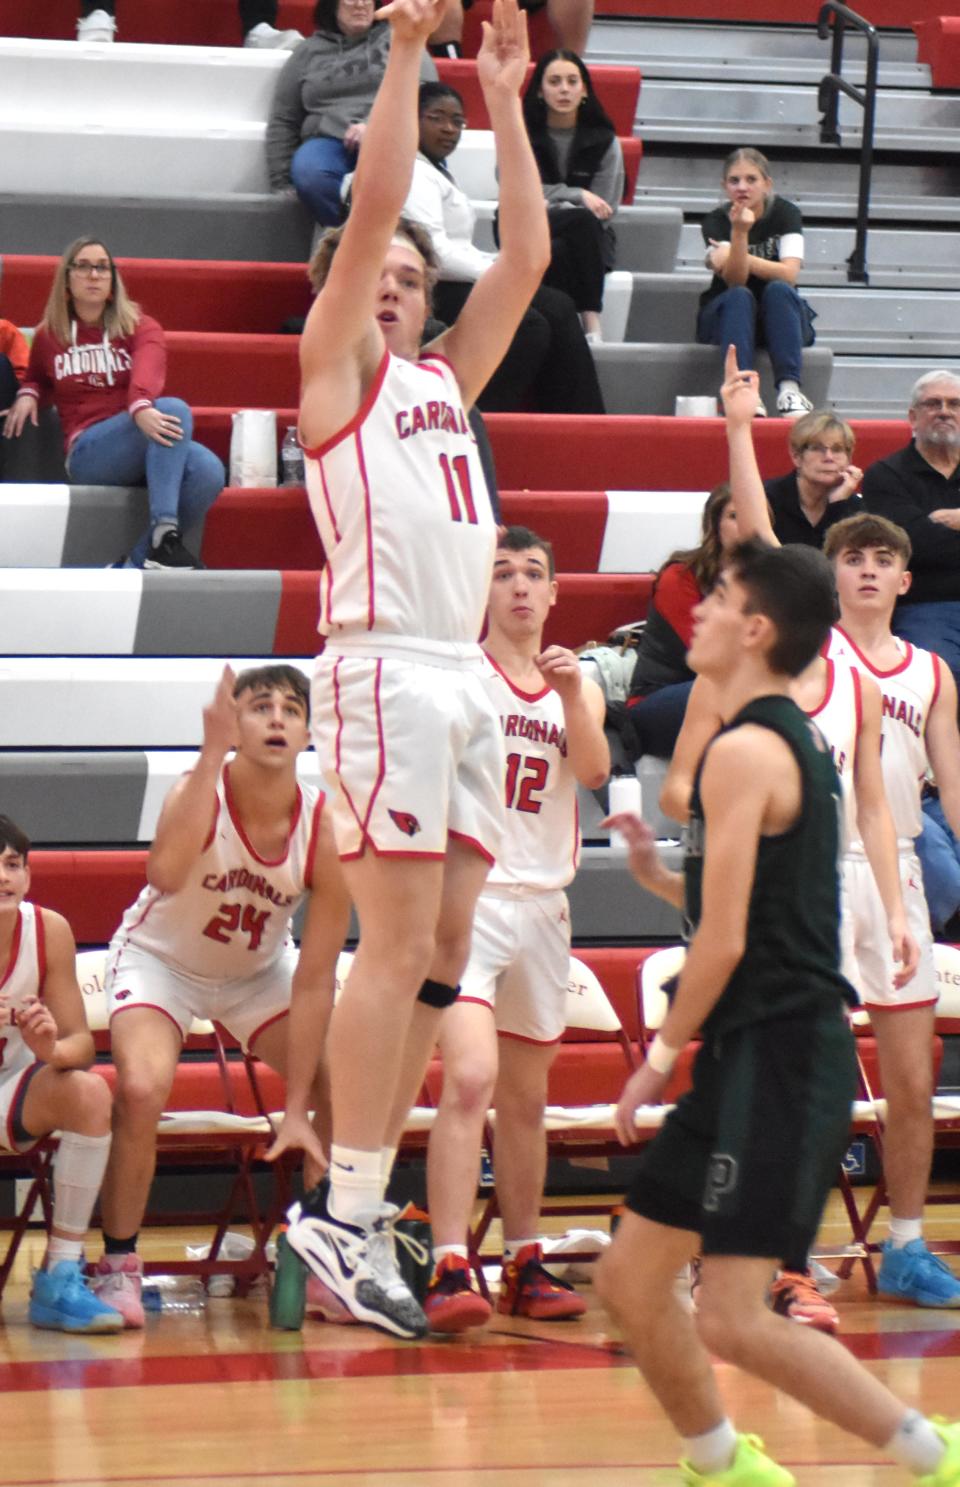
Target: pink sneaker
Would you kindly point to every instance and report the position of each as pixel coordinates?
(323, 1303)
(118, 1280)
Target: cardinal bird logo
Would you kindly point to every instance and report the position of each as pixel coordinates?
(121, 996)
(408, 824)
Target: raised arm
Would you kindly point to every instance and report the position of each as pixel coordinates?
(342, 345)
(485, 326)
(741, 393)
(188, 810)
(584, 710)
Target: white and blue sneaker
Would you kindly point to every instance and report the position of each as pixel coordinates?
(357, 1262)
(913, 1274)
(61, 1299)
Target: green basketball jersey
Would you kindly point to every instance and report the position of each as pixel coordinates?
(792, 956)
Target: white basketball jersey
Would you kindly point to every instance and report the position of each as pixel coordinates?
(401, 504)
(908, 691)
(839, 716)
(231, 918)
(22, 981)
(541, 844)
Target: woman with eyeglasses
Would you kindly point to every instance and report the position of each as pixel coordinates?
(102, 363)
(548, 364)
(581, 167)
(321, 103)
(821, 489)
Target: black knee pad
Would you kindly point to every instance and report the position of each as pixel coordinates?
(437, 994)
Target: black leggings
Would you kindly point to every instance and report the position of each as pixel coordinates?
(547, 366)
(582, 251)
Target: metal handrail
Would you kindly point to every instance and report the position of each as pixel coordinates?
(828, 99)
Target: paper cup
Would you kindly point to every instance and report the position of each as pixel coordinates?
(695, 408)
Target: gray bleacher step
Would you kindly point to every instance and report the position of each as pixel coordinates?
(664, 307)
(647, 236)
(257, 228)
(777, 114)
(648, 377)
(914, 258)
(877, 386)
(748, 53)
(606, 903)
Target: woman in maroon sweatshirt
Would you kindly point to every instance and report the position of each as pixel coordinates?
(102, 363)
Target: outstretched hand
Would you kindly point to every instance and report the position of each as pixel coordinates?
(412, 20)
(740, 391)
(505, 53)
(220, 715)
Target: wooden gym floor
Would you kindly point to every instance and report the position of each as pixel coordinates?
(218, 1397)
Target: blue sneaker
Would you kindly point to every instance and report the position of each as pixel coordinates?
(913, 1274)
(62, 1300)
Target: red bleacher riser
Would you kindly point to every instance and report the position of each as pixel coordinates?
(543, 452)
(176, 22)
(591, 606)
(92, 889)
(617, 88)
(273, 528)
(246, 370)
(938, 44)
(183, 294)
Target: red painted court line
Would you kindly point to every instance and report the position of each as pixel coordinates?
(530, 1354)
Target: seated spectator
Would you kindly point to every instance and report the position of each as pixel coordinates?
(258, 23)
(102, 364)
(918, 487)
(321, 103)
(581, 167)
(14, 354)
(661, 678)
(755, 249)
(939, 854)
(821, 489)
(548, 363)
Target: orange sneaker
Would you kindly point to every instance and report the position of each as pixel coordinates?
(452, 1304)
(794, 1294)
(527, 1290)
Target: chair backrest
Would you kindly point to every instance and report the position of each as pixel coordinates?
(588, 1005)
(655, 972)
(91, 965)
(946, 960)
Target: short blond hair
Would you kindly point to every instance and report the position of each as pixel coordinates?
(814, 425)
(419, 238)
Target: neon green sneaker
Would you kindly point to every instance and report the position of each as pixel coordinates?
(752, 1467)
(947, 1473)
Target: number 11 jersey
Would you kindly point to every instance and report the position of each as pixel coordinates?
(401, 504)
(231, 918)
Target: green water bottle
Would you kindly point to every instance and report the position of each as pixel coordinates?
(288, 1295)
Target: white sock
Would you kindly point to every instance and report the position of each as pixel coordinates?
(916, 1445)
(77, 1174)
(354, 1181)
(62, 1249)
(262, 28)
(713, 1451)
(160, 531)
(440, 1252)
(788, 385)
(512, 1247)
(904, 1231)
(388, 1155)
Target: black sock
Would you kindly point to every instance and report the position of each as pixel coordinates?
(113, 1246)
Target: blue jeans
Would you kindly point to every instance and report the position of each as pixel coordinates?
(659, 717)
(939, 853)
(317, 171)
(934, 627)
(182, 480)
(778, 320)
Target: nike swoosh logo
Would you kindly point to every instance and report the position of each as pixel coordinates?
(345, 1167)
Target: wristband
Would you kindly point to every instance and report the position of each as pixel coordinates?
(661, 1057)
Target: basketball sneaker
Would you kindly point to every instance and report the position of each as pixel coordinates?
(357, 1261)
(452, 1305)
(527, 1290)
(322, 1302)
(118, 1280)
(794, 1294)
(913, 1274)
(61, 1299)
(947, 1473)
(751, 1467)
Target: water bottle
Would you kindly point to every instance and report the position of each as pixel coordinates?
(288, 1295)
(174, 1293)
(624, 795)
(291, 458)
